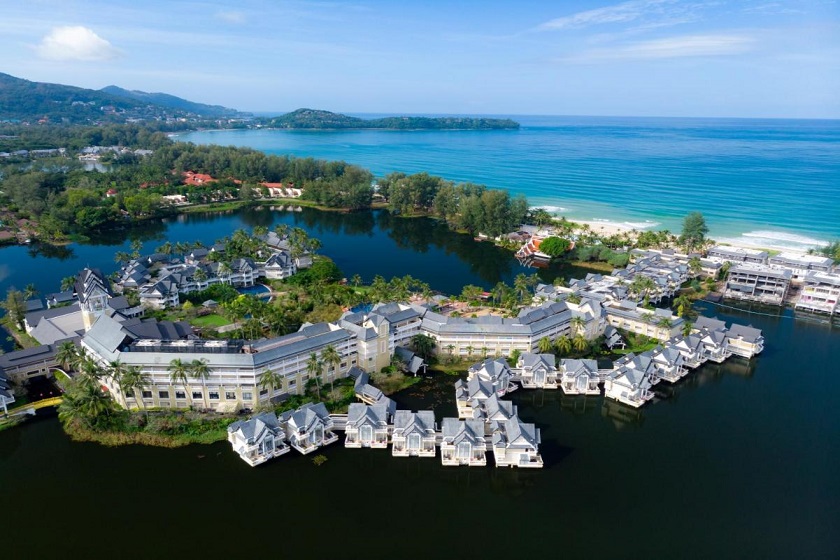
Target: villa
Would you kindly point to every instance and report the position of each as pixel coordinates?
(537, 371)
(463, 443)
(744, 341)
(309, 427)
(820, 294)
(691, 348)
(470, 394)
(414, 434)
(715, 345)
(579, 377)
(367, 426)
(516, 444)
(496, 372)
(495, 410)
(669, 363)
(629, 386)
(258, 439)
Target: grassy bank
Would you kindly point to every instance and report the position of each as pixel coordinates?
(20, 337)
(162, 429)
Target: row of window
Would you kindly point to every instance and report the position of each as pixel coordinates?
(212, 395)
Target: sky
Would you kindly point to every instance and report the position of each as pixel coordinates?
(704, 58)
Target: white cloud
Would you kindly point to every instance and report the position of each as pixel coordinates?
(618, 13)
(237, 18)
(75, 43)
(671, 47)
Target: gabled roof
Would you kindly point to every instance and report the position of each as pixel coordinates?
(455, 431)
(498, 410)
(253, 429)
(748, 334)
(359, 414)
(306, 417)
(514, 433)
(574, 368)
(475, 388)
(530, 360)
(423, 421)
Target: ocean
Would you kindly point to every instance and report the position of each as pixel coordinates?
(767, 183)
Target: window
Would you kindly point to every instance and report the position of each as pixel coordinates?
(180, 395)
(129, 393)
(230, 395)
(196, 394)
(163, 394)
(263, 392)
(247, 396)
(214, 395)
(414, 441)
(366, 433)
(464, 450)
(147, 394)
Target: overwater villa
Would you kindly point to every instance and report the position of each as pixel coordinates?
(691, 348)
(463, 443)
(367, 426)
(497, 372)
(495, 410)
(579, 377)
(629, 386)
(414, 434)
(537, 371)
(744, 341)
(515, 444)
(470, 394)
(715, 345)
(669, 363)
(258, 439)
(640, 362)
(309, 427)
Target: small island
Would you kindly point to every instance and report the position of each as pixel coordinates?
(317, 119)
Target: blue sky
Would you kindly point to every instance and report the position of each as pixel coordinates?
(747, 58)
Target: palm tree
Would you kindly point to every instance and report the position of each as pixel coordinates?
(200, 276)
(165, 249)
(84, 402)
(68, 283)
(580, 343)
(687, 328)
(694, 266)
(683, 305)
(121, 257)
(423, 345)
(563, 344)
(260, 231)
(67, 355)
(30, 291)
(200, 370)
(450, 348)
(470, 351)
(282, 230)
(545, 345)
(133, 379)
(89, 371)
(578, 324)
(270, 380)
(224, 271)
(521, 285)
(313, 368)
(356, 281)
(179, 374)
(484, 351)
(331, 358)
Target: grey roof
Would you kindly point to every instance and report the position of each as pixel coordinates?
(631, 377)
(33, 304)
(515, 433)
(412, 361)
(709, 323)
(254, 428)
(359, 414)
(749, 334)
(305, 417)
(529, 360)
(50, 330)
(492, 367)
(35, 316)
(407, 421)
(455, 430)
(574, 368)
(497, 409)
(475, 388)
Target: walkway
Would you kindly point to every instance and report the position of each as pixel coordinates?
(30, 408)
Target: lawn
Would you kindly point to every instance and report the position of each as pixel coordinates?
(213, 321)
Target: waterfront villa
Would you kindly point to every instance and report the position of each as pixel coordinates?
(470, 394)
(463, 443)
(691, 348)
(537, 371)
(309, 427)
(496, 372)
(367, 426)
(820, 293)
(516, 444)
(258, 439)
(715, 345)
(669, 363)
(495, 410)
(414, 434)
(744, 341)
(759, 283)
(629, 386)
(579, 377)
(642, 362)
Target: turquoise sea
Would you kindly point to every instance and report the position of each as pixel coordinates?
(769, 183)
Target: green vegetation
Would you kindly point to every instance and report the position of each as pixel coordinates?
(694, 231)
(555, 246)
(317, 119)
(213, 321)
(832, 251)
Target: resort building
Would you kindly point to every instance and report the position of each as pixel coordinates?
(758, 283)
(537, 371)
(658, 323)
(736, 255)
(367, 426)
(800, 265)
(7, 396)
(691, 349)
(258, 439)
(495, 410)
(414, 434)
(470, 394)
(820, 293)
(579, 377)
(463, 443)
(496, 372)
(669, 363)
(309, 428)
(744, 341)
(629, 386)
(230, 369)
(516, 444)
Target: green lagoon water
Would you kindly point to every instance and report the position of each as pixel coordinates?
(737, 461)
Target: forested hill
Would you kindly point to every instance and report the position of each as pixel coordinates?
(313, 119)
(173, 102)
(25, 101)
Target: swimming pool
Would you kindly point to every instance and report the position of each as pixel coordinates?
(260, 290)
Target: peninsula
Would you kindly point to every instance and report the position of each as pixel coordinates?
(317, 119)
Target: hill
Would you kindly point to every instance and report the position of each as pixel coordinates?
(317, 119)
(172, 102)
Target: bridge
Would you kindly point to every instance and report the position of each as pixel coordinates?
(30, 408)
